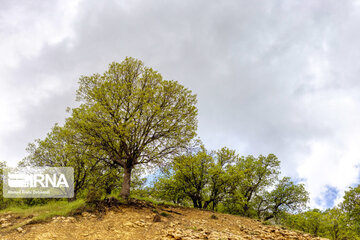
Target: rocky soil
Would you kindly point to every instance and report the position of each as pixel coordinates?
(139, 222)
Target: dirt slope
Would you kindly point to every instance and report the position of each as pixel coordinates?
(134, 222)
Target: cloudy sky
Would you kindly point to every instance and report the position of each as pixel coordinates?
(271, 76)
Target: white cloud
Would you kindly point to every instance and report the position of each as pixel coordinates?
(332, 160)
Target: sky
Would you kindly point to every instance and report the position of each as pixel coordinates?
(270, 76)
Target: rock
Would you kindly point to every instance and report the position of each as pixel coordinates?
(128, 224)
(140, 223)
(20, 229)
(6, 224)
(86, 214)
(157, 218)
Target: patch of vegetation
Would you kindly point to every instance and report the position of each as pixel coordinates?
(164, 214)
(266, 223)
(41, 213)
(155, 202)
(55, 208)
(147, 199)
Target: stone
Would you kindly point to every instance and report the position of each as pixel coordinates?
(85, 214)
(157, 218)
(128, 224)
(6, 224)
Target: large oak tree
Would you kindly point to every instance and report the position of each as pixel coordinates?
(134, 116)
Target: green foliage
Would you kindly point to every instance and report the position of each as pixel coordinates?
(94, 196)
(238, 184)
(164, 214)
(332, 223)
(286, 197)
(351, 208)
(191, 175)
(219, 178)
(336, 225)
(310, 221)
(133, 116)
(45, 212)
(313, 222)
(199, 176)
(249, 176)
(62, 148)
(169, 190)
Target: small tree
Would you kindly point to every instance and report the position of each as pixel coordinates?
(249, 176)
(287, 196)
(63, 148)
(219, 178)
(335, 224)
(191, 171)
(351, 208)
(167, 188)
(197, 175)
(134, 116)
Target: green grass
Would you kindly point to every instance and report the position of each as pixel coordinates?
(147, 199)
(46, 211)
(154, 201)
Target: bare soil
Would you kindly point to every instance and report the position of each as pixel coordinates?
(144, 222)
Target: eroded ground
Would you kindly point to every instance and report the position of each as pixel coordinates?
(133, 222)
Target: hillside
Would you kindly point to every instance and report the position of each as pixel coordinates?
(144, 221)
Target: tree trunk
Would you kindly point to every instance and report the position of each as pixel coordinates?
(195, 202)
(125, 190)
(108, 189)
(206, 204)
(73, 198)
(199, 203)
(215, 202)
(246, 208)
